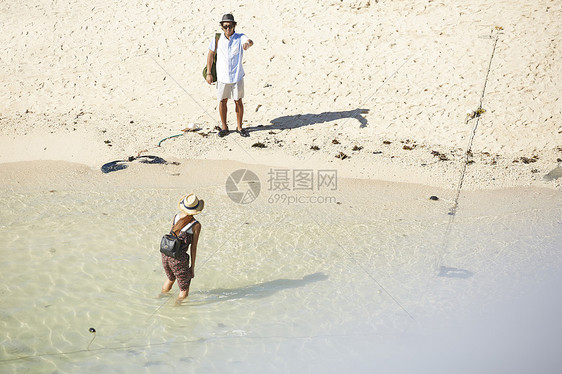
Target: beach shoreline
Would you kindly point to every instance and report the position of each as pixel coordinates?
(397, 162)
(55, 176)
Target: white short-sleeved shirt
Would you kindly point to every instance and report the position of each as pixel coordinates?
(229, 57)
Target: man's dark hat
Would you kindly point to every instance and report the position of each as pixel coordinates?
(227, 18)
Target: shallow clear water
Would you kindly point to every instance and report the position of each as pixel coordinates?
(278, 288)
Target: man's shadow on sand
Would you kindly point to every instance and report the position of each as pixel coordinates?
(257, 291)
(300, 120)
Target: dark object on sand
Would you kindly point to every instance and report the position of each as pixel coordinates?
(122, 164)
(114, 166)
(258, 145)
(151, 160)
(527, 160)
(342, 156)
(433, 197)
(441, 156)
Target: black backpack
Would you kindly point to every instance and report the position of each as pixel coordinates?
(171, 245)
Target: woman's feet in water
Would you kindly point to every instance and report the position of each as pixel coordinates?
(181, 297)
(179, 300)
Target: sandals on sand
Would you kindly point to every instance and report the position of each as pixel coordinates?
(222, 133)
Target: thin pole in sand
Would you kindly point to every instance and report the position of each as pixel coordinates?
(453, 210)
(476, 114)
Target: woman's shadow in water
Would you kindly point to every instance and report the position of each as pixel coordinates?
(258, 291)
(300, 120)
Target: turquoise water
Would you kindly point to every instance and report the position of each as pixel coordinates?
(278, 288)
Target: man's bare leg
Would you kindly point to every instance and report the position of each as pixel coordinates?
(239, 113)
(222, 113)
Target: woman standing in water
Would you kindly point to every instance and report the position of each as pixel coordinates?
(187, 228)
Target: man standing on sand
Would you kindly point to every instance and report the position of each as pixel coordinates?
(230, 74)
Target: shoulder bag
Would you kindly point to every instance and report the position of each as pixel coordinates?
(214, 66)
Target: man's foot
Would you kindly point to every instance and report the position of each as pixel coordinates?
(223, 133)
(243, 133)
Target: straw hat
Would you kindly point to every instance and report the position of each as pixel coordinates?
(190, 204)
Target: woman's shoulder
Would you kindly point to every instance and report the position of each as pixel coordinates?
(196, 226)
(193, 224)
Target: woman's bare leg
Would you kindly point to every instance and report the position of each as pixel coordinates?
(183, 295)
(167, 286)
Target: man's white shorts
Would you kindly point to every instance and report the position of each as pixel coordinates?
(230, 90)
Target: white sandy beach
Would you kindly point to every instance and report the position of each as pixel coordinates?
(90, 83)
(451, 99)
